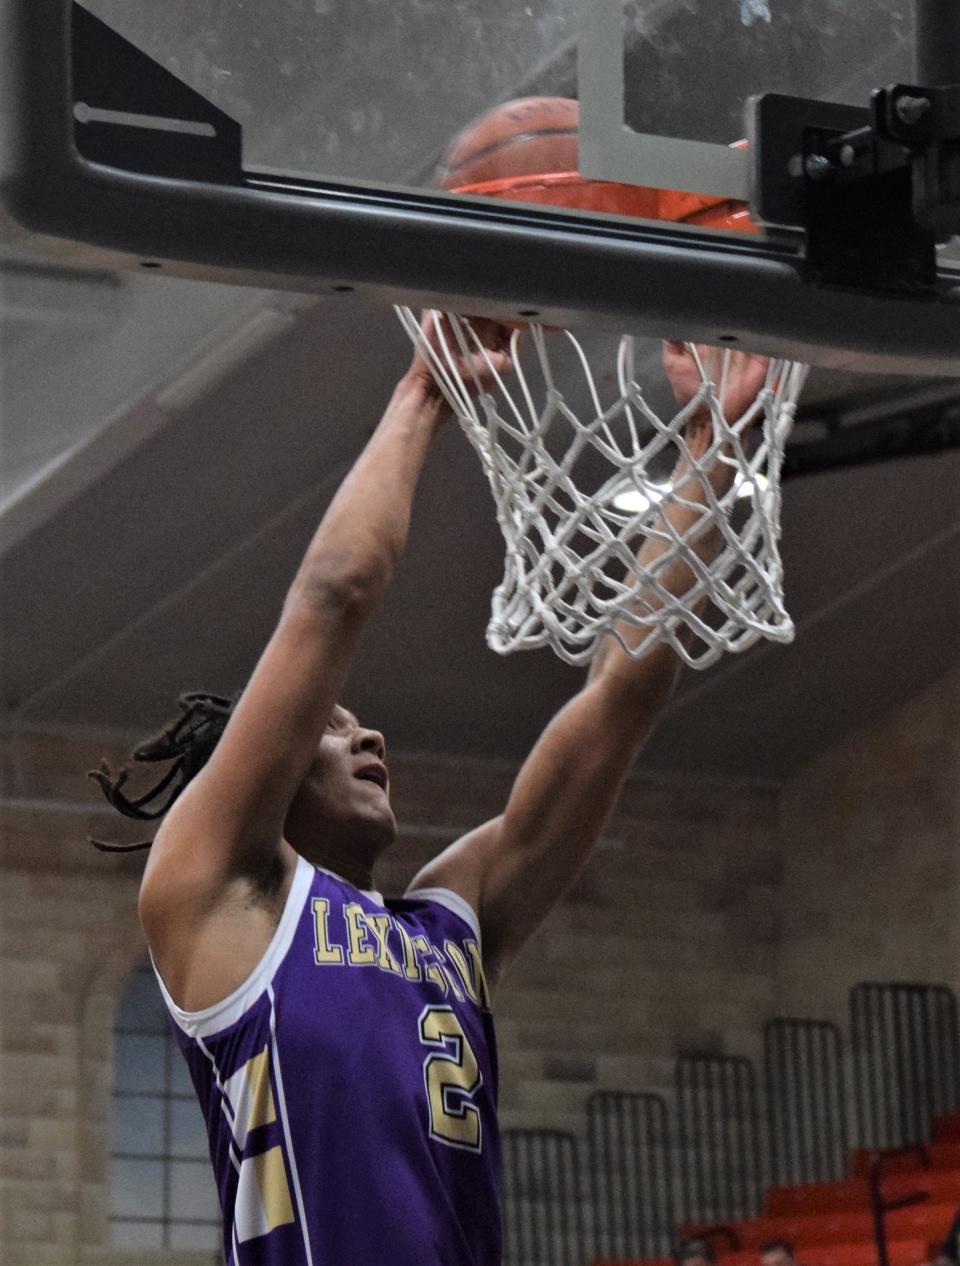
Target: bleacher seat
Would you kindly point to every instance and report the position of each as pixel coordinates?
(831, 1224)
(943, 1154)
(859, 1253)
(947, 1129)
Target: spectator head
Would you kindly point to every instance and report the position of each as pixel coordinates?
(694, 1253)
(777, 1253)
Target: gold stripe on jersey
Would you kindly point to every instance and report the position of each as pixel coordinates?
(263, 1196)
(250, 1096)
(274, 1191)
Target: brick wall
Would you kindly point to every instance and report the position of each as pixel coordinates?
(68, 939)
(871, 859)
(667, 942)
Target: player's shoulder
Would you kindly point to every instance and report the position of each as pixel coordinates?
(437, 904)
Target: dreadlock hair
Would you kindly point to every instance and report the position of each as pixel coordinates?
(188, 741)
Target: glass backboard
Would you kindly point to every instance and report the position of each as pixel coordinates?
(374, 91)
(303, 145)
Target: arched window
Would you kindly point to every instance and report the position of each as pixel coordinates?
(162, 1192)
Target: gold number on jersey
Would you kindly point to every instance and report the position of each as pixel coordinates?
(452, 1077)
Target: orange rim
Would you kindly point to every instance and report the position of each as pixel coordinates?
(571, 190)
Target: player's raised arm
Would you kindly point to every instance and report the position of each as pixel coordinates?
(226, 830)
(515, 868)
(744, 378)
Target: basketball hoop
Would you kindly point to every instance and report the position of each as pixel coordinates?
(580, 490)
(572, 575)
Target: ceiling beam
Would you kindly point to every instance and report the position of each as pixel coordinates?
(75, 469)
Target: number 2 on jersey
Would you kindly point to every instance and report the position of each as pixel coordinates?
(452, 1077)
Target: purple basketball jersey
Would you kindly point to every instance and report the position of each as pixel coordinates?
(350, 1084)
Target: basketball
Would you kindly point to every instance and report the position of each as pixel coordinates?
(524, 137)
(527, 150)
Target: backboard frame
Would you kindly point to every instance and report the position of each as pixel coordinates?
(423, 248)
(610, 150)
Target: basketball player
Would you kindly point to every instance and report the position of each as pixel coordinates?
(342, 1045)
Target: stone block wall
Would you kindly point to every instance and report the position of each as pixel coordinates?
(871, 860)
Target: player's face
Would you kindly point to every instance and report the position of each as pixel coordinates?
(345, 796)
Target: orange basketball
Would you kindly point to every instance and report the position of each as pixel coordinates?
(528, 151)
(521, 138)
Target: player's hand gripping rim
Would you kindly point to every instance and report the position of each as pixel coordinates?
(477, 369)
(745, 377)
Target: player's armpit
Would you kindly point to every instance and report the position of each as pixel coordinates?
(219, 867)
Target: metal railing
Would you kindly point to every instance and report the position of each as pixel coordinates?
(642, 1179)
(631, 1174)
(718, 1138)
(906, 1061)
(542, 1199)
(881, 1207)
(806, 1101)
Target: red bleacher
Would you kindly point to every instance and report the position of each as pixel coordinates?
(831, 1224)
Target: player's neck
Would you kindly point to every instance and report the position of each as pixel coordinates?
(360, 876)
(351, 859)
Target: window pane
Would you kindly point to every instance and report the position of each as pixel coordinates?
(193, 1193)
(188, 1132)
(138, 1063)
(156, 1203)
(142, 1007)
(129, 1235)
(136, 1188)
(180, 1083)
(208, 1237)
(138, 1125)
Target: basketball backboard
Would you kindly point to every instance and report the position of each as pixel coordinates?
(297, 145)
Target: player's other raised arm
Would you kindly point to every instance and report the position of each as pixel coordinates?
(515, 868)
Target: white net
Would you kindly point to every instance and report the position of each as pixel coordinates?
(616, 521)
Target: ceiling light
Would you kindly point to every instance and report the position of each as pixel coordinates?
(747, 487)
(634, 500)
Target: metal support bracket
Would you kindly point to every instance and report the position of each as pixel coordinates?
(133, 114)
(848, 180)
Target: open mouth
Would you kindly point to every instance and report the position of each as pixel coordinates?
(375, 774)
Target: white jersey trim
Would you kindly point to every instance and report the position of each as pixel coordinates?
(221, 1015)
(452, 901)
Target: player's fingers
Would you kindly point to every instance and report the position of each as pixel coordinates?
(494, 335)
(489, 334)
(492, 365)
(675, 349)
